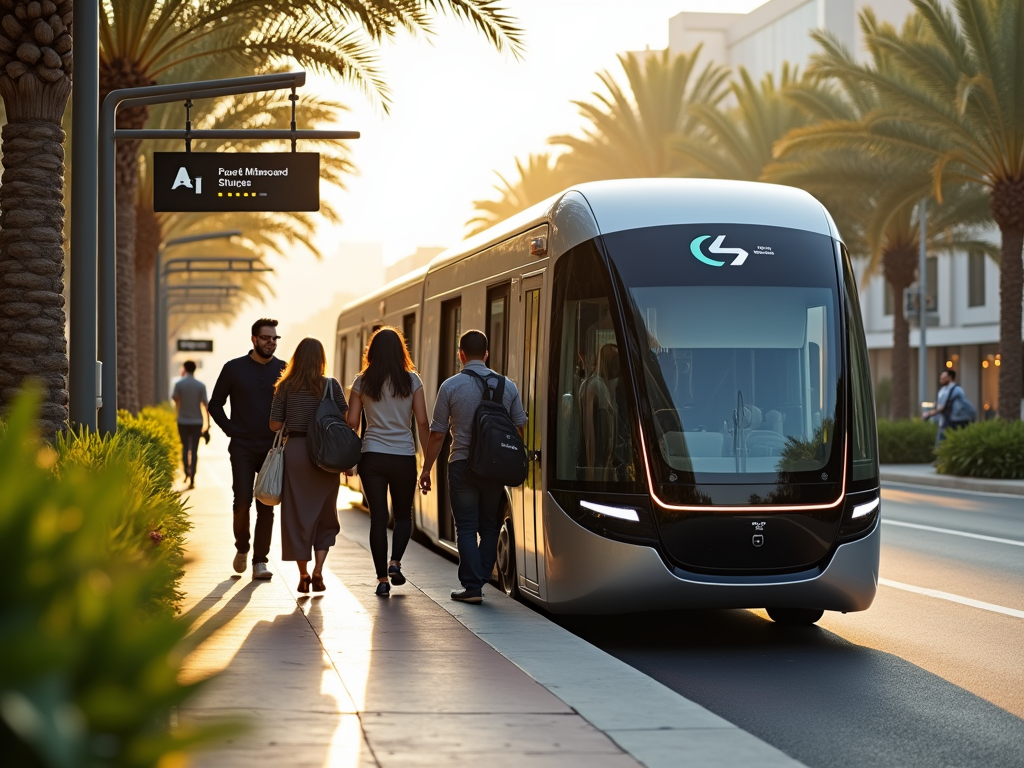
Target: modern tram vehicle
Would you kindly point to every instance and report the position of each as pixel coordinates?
(692, 359)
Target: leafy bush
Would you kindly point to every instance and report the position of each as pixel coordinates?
(89, 671)
(151, 521)
(992, 449)
(908, 441)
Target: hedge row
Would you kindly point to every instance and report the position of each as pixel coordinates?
(990, 449)
(90, 649)
(909, 441)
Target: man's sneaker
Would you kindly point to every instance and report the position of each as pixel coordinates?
(241, 560)
(468, 596)
(260, 571)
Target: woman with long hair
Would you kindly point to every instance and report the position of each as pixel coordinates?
(309, 498)
(389, 392)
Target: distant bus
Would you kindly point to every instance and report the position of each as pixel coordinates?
(692, 359)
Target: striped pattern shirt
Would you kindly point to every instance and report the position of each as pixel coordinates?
(296, 408)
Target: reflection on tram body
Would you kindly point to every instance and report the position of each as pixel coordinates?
(701, 423)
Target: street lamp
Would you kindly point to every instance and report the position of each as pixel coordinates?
(159, 376)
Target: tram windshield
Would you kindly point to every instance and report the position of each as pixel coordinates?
(741, 353)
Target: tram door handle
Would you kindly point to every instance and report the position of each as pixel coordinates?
(535, 456)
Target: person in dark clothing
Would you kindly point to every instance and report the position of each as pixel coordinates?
(249, 383)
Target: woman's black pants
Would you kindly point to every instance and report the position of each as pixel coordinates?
(379, 472)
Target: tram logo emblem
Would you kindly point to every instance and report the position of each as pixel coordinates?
(716, 248)
(759, 526)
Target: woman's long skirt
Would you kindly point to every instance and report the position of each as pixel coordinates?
(309, 504)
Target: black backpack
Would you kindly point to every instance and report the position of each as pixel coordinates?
(331, 443)
(496, 451)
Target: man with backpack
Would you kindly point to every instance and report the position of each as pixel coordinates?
(952, 406)
(496, 455)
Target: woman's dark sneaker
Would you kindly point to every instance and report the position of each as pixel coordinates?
(395, 572)
(383, 589)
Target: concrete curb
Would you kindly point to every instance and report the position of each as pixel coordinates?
(924, 474)
(652, 723)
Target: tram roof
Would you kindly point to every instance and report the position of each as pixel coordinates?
(622, 204)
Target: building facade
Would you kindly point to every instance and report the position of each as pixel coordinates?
(965, 288)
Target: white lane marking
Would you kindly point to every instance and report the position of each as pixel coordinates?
(951, 532)
(952, 598)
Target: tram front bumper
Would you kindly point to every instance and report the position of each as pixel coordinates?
(591, 574)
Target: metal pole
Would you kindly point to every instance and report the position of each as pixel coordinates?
(160, 367)
(922, 309)
(107, 226)
(85, 101)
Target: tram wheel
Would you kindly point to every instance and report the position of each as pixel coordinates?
(795, 617)
(508, 580)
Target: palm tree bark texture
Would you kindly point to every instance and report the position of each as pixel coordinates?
(1008, 212)
(148, 234)
(35, 83)
(114, 75)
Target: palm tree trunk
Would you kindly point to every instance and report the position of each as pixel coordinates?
(115, 75)
(32, 322)
(1008, 212)
(898, 264)
(147, 244)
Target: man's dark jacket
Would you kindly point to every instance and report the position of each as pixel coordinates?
(250, 386)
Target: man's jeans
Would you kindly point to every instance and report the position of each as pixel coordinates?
(245, 464)
(476, 503)
(190, 434)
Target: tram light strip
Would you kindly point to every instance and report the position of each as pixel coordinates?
(864, 509)
(622, 513)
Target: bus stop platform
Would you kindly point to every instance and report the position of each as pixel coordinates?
(345, 678)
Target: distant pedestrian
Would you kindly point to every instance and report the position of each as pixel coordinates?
(309, 498)
(389, 392)
(945, 405)
(249, 383)
(189, 398)
(475, 501)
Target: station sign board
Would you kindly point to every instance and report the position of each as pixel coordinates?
(214, 182)
(195, 345)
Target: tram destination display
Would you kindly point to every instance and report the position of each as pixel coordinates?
(211, 182)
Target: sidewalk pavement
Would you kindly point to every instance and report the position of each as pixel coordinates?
(349, 679)
(925, 474)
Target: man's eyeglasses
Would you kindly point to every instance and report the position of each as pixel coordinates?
(268, 338)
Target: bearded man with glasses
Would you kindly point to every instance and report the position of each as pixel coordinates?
(248, 381)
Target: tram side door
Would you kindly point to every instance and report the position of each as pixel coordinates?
(529, 495)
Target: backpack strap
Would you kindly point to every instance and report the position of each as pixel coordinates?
(497, 394)
(327, 388)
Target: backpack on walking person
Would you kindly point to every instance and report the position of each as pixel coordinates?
(960, 409)
(330, 442)
(495, 450)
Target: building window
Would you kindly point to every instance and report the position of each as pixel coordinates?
(932, 288)
(976, 280)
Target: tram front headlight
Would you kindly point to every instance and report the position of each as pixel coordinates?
(860, 516)
(619, 513)
(862, 510)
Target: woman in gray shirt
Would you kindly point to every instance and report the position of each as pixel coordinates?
(389, 391)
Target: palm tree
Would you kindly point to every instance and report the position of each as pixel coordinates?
(737, 143)
(540, 178)
(264, 231)
(143, 41)
(630, 131)
(35, 82)
(876, 195)
(953, 94)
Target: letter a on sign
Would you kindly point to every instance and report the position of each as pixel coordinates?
(182, 179)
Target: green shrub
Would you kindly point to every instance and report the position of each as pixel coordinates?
(89, 673)
(993, 449)
(908, 441)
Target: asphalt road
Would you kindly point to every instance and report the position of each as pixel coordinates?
(921, 679)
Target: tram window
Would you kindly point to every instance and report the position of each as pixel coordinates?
(341, 352)
(753, 390)
(863, 437)
(451, 329)
(497, 327)
(409, 331)
(594, 436)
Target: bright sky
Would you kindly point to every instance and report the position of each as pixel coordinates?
(461, 111)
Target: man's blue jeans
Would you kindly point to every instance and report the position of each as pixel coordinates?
(476, 503)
